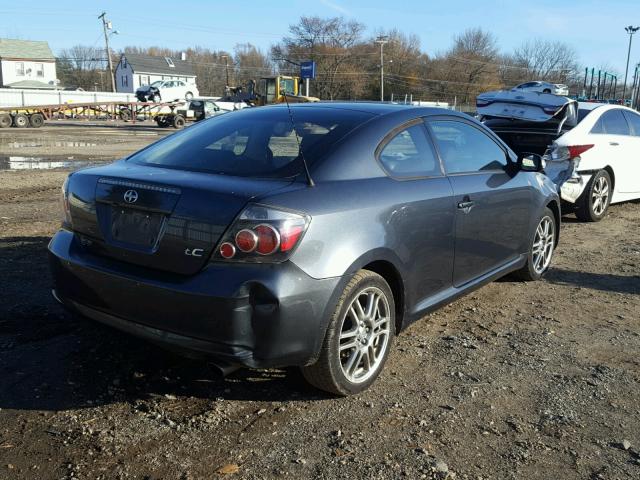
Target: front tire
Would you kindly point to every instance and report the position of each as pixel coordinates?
(358, 338)
(594, 202)
(541, 248)
(188, 96)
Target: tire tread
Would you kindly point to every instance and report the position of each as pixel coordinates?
(320, 374)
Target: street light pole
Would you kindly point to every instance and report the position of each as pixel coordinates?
(107, 26)
(382, 39)
(630, 30)
(226, 67)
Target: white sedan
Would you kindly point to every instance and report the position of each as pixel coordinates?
(604, 150)
(543, 87)
(167, 91)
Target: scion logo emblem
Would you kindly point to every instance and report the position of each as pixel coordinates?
(131, 196)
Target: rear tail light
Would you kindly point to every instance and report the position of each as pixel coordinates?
(571, 152)
(262, 234)
(577, 150)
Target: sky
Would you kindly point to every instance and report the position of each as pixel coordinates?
(594, 28)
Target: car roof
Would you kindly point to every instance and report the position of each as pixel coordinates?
(374, 108)
(590, 105)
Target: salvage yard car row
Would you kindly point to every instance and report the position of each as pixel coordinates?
(592, 150)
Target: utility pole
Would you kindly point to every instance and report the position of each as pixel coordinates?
(630, 30)
(107, 26)
(634, 88)
(226, 67)
(381, 40)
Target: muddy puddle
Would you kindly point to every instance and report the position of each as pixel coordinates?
(40, 163)
(44, 143)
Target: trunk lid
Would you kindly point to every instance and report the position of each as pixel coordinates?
(527, 106)
(155, 217)
(530, 122)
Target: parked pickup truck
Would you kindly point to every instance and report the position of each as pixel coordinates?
(191, 111)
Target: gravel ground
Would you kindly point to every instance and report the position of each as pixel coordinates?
(516, 381)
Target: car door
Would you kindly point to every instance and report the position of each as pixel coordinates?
(616, 147)
(170, 91)
(632, 167)
(181, 89)
(209, 109)
(419, 225)
(492, 201)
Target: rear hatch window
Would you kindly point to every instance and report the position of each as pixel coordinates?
(257, 143)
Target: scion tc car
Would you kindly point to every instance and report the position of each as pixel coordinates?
(260, 244)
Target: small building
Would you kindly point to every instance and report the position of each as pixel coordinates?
(27, 64)
(136, 70)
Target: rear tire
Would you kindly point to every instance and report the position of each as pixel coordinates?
(358, 338)
(541, 248)
(188, 96)
(156, 98)
(36, 120)
(20, 121)
(5, 120)
(593, 204)
(178, 121)
(546, 90)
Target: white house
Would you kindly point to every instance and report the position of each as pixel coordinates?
(135, 70)
(26, 64)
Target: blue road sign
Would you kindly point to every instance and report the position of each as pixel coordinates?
(308, 70)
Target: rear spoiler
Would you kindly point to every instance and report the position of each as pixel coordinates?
(528, 106)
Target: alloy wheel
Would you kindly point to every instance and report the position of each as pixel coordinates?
(600, 196)
(543, 244)
(364, 336)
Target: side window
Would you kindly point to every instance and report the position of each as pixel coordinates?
(410, 154)
(464, 148)
(613, 123)
(634, 121)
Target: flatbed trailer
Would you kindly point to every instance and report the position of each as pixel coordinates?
(35, 115)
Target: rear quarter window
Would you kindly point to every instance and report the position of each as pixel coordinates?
(409, 154)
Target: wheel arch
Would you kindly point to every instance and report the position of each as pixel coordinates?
(554, 206)
(392, 276)
(612, 175)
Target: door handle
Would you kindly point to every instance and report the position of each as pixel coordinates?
(466, 205)
(614, 144)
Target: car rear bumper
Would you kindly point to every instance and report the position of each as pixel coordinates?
(249, 315)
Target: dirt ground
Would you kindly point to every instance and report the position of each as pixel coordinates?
(516, 381)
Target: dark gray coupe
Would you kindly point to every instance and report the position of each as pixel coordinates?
(309, 237)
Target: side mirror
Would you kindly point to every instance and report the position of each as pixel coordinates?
(531, 162)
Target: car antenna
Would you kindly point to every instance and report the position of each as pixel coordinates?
(295, 132)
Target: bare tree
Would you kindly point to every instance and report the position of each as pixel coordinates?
(553, 61)
(331, 43)
(82, 66)
(250, 63)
